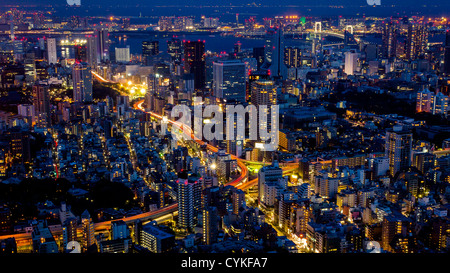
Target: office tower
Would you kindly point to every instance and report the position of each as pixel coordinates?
(389, 39)
(277, 67)
(80, 53)
(42, 239)
(119, 230)
(393, 225)
(52, 57)
(398, 148)
(69, 231)
(252, 77)
(189, 202)
(351, 62)
(29, 64)
(87, 230)
(268, 180)
(41, 103)
(102, 37)
(293, 56)
(264, 93)
(155, 239)
(258, 54)
(238, 200)
(149, 49)
(122, 54)
(92, 57)
(251, 64)
(210, 225)
(229, 80)
(82, 82)
(417, 39)
(446, 69)
(194, 62)
(175, 50)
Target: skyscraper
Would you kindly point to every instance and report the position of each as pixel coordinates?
(102, 37)
(210, 225)
(82, 82)
(417, 39)
(175, 50)
(293, 56)
(92, 57)
(389, 39)
(52, 57)
(189, 201)
(393, 225)
(122, 54)
(277, 67)
(194, 62)
(264, 93)
(229, 80)
(351, 62)
(87, 230)
(41, 103)
(268, 180)
(398, 148)
(69, 231)
(149, 49)
(80, 53)
(258, 54)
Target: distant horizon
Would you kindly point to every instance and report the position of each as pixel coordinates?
(325, 8)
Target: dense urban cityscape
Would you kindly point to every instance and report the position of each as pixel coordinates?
(94, 160)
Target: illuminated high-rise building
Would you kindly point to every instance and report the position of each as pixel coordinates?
(229, 80)
(82, 82)
(264, 93)
(189, 201)
(69, 231)
(194, 62)
(268, 180)
(80, 53)
(392, 226)
(102, 37)
(52, 57)
(41, 103)
(417, 39)
(149, 49)
(88, 235)
(292, 56)
(398, 148)
(252, 77)
(277, 67)
(389, 39)
(92, 57)
(351, 62)
(175, 50)
(423, 101)
(210, 225)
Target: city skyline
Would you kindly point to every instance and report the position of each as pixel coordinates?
(253, 130)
